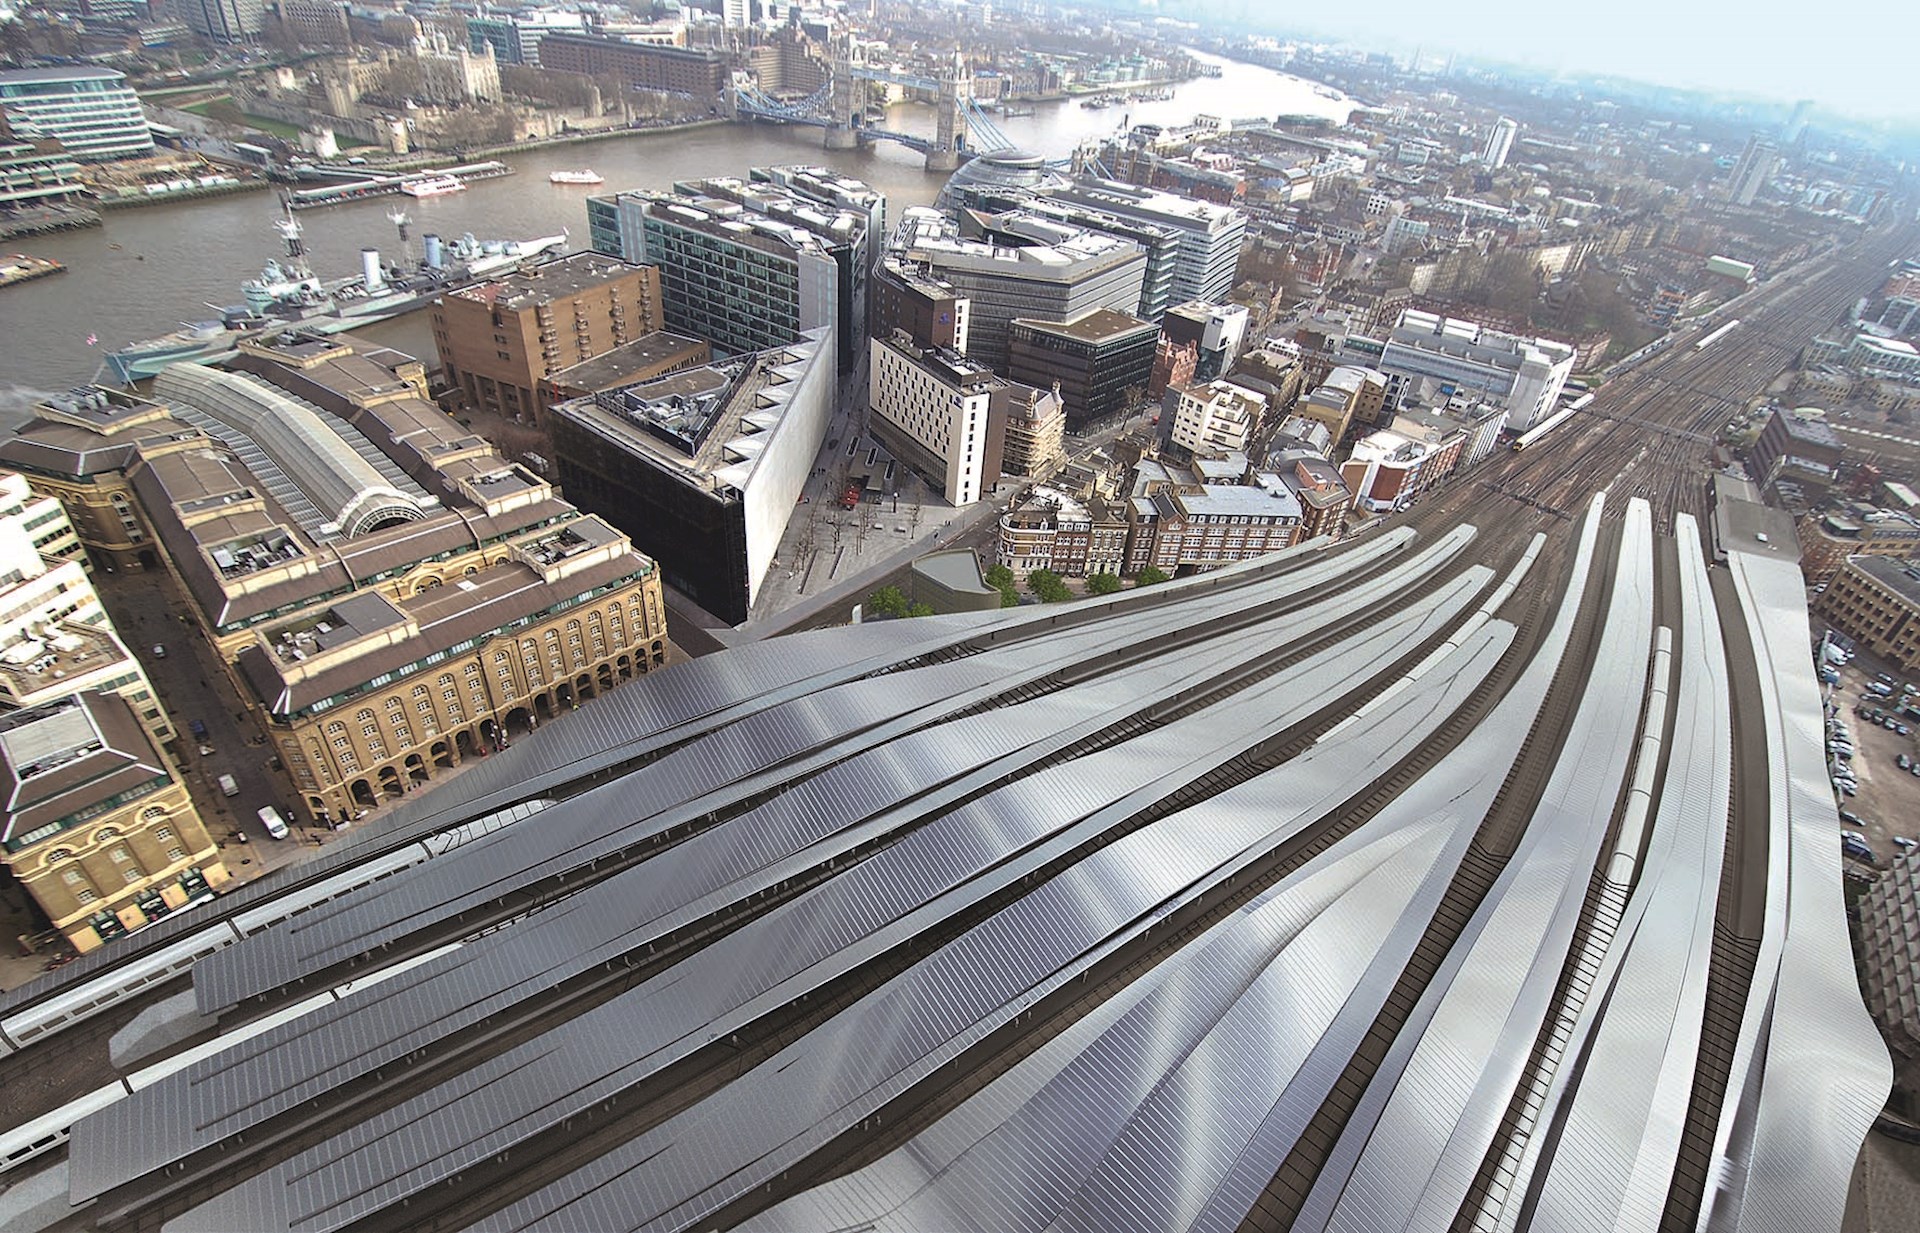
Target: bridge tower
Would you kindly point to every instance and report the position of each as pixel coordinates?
(846, 100)
(950, 130)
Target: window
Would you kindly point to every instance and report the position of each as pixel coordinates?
(121, 856)
(176, 854)
(163, 833)
(85, 895)
(71, 877)
(134, 875)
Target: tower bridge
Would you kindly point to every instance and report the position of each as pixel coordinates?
(961, 127)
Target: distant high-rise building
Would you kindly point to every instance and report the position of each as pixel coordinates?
(1753, 170)
(1063, 275)
(1499, 144)
(736, 14)
(746, 266)
(1796, 125)
(225, 21)
(90, 111)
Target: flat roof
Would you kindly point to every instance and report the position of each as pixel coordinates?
(1901, 577)
(1100, 325)
(549, 281)
(623, 363)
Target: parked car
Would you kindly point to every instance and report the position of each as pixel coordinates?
(1903, 761)
(275, 824)
(228, 786)
(1857, 848)
(1848, 816)
(159, 651)
(198, 728)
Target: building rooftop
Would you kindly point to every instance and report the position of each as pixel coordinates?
(1902, 577)
(930, 237)
(1237, 501)
(58, 759)
(623, 364)
(67, 652)
(552, 280)
(1808, 426)
(1099, 326)
(73, 72)
(706, 424)
(1189, 212)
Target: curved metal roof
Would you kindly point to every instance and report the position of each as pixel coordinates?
(1311, 891)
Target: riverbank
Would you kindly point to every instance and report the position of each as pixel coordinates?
(130, 200)
(429, 158)
(46, 222)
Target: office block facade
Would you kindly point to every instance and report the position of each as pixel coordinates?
(705, 467)
(934, 410)
(743, 281)
(1063, 275)
(90, 111)
(1098, 361)
(1210, 234)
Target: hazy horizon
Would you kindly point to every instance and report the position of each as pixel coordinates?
(1760, 50)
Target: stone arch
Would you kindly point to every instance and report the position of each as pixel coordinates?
(442, 755)
(417, 766)
(463, 742)
(363, 794)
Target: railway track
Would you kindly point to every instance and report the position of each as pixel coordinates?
(1645, 437)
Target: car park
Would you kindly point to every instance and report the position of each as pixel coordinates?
(1851, 818)
(1856, 848)
(1903, 762)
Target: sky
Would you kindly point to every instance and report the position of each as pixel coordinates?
(1856, 58)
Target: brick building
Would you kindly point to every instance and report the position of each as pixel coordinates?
(1876, 601)
(501, 340)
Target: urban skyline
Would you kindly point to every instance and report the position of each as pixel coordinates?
(947, 616)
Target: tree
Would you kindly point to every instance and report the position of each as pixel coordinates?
(888, 601)
(1150, 576)
(1102, 584)
(1048, 587)
(999, 576)
(1009, 598)
(920, 610)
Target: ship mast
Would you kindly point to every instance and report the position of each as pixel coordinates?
(400, 220)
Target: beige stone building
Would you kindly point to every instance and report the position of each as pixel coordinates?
(97, 826)
(389, 594)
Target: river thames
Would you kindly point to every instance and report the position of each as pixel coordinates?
(174, 261)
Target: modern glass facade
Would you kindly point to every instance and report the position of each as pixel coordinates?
(91, 111)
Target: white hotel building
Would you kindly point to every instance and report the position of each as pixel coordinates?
(932, 410)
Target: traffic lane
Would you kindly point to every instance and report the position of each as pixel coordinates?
(149, 611)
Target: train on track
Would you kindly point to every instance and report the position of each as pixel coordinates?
(62, 1008)
(1534, 435)
(1717, 335)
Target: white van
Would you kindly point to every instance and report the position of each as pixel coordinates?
(275, 824)
(228, 785)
